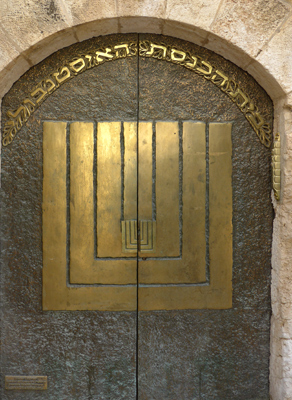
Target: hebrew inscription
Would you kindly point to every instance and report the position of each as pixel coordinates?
(17, 118)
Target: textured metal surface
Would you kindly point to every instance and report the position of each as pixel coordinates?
(157, 49)
(211, 354)
(207, 354)
(89, 355)
(203, 354)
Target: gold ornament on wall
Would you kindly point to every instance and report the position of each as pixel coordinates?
(276, 166)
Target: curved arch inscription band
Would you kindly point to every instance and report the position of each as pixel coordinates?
(17, 118)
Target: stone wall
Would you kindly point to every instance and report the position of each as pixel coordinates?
(255, 35)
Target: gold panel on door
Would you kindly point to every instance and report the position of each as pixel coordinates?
(197, 280)
(117, 278)
(113, 196)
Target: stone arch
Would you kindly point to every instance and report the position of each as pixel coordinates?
(33, 53)
(255, 36)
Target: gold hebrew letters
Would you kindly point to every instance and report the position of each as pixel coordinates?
(118, 196)
(17, 118)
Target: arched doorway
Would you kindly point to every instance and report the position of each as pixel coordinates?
(150, 106)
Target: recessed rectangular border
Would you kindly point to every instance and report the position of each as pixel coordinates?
(57, 295)
(84, 267)
(218, 293)
(190, 266)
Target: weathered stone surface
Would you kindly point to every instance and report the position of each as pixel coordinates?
(12, 64)
(249, 24)
(91, 10)
(195, 13)
(227, 50)
(14, 70)
(144, 24)
(50, 44)
(31, 21)
(9, 50)
(281, 323)
(96, 28)
(151, 15)
(288, 101)
(146, 8)
(176, 29)
(279, 48)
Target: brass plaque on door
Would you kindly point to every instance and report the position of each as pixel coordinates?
(118, 196)
(21, 382)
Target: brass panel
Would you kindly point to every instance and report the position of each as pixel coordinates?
(167, 190)
(84, 268)
(147, 227)
(194, 201)
(216, 294)
(188, 269)
(191, 268)
(220, 205)
(145, 171)
(81, 196)
(108, 189)
(129, 236)
(130, 170)
(214, 297)
(56, 294)
(54, 212)
(26, 382)
(147, 236)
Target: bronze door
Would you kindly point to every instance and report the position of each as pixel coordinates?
(138, 224)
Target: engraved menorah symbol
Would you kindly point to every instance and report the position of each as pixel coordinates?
(147, 236)
(119, 173)
(151, 157)
(138, 155)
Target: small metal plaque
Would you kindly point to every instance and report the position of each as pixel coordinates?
(26, 383)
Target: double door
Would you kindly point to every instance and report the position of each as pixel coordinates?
(137, 227)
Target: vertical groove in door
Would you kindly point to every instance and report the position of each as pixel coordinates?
(138, 228)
